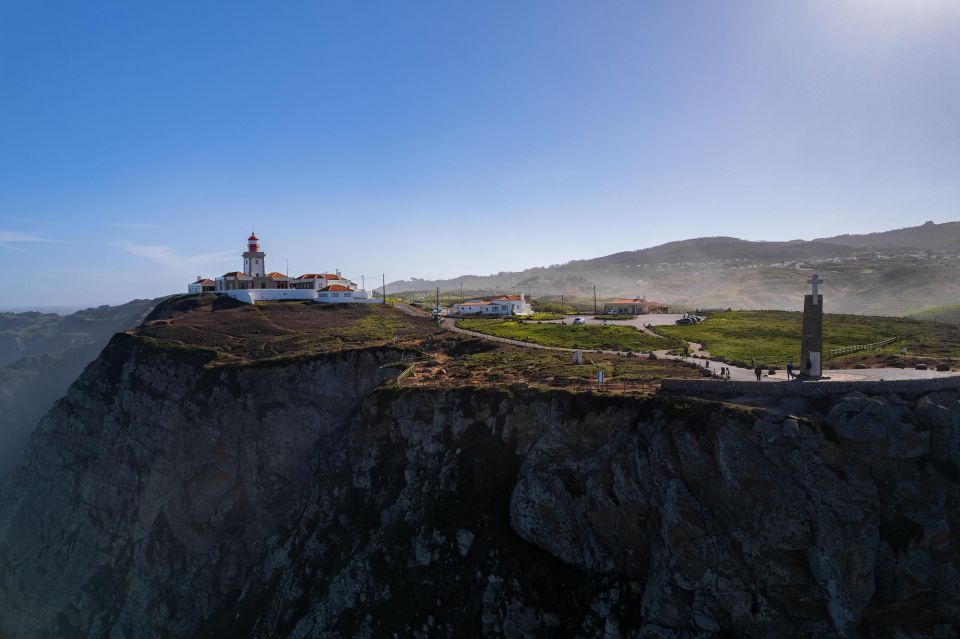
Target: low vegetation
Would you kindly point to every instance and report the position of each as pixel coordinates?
(499, 364)
(773, 337)
(540, 317)
(587, 336)
(241, 333)
(949, 314)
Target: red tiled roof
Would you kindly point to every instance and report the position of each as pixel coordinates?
(235, 274)
(508, 298)
(336, 287)
(627, 301)
(321, 276)
(275, 274)
(204, 280)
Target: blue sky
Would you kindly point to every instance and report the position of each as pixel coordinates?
(140, 142)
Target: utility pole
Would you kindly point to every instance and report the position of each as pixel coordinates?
(594, 299)
(384, 276)
(461, 291)
(363, 283)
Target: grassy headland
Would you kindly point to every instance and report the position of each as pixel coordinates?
(773, 337)
(587, 336)
(242, 333)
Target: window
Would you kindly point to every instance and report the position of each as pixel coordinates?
(335, 294)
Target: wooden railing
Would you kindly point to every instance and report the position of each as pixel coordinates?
(407, 371)
(833, 352)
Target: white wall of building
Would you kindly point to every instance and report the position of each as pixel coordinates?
(252, 295)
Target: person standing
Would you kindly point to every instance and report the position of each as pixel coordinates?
(759, 372)
(790, 374)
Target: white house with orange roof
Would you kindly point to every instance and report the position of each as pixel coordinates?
(318, 281)
(501, 306)
(202, 285)
(255, 284)
(634, 306)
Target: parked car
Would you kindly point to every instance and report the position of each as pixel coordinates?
(685, 320)
(579, 320)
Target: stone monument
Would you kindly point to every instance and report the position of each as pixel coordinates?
(811, 348)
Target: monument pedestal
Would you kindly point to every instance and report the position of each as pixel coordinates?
(811, 349)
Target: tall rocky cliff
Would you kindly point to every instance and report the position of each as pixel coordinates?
(165, 498)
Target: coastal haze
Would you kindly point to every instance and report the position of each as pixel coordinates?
(896, 272)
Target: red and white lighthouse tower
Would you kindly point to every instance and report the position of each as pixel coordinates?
(254, 259)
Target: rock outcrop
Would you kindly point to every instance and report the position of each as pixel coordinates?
(165, 498)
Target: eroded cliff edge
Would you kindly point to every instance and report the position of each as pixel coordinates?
(165, 497)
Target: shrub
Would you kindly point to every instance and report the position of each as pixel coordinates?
(652, 355)
(943, 367)
(921, 367)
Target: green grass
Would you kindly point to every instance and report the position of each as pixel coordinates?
(587, 337)
(538, 317)
(534, 365)
(773, 337)
(949, 314)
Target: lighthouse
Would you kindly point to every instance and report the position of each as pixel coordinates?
(253, 258)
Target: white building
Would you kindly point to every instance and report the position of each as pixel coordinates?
(502, 306)
(254, 284)
(202, 285)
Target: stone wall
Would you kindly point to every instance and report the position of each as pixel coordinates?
(782, 389)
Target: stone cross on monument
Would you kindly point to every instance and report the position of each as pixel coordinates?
(811, 347)
(815, 281)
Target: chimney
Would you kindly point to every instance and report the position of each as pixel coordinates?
(199, 277)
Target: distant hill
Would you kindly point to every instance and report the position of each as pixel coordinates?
(891, 273)
(40, 356)
(928, 236)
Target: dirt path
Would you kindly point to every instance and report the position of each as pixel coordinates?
(411, 310)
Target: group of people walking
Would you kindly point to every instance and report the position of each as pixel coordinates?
(724, 372)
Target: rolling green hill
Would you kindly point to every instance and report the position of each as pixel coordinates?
(949, 314)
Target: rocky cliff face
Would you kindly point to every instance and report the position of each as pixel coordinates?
(163, 498)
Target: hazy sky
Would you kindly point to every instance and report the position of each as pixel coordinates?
(140, 142)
